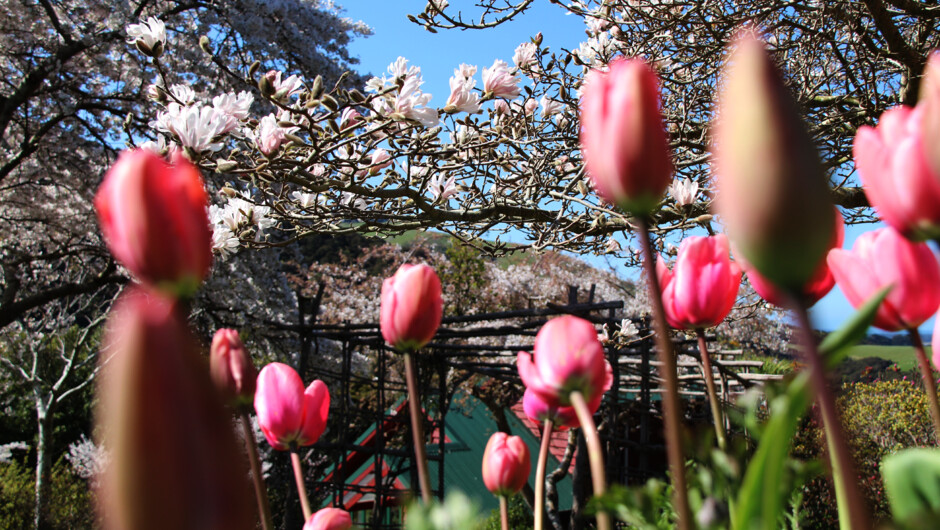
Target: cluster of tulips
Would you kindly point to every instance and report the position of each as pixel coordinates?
(175, 460)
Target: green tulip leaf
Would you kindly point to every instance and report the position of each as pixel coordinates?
(912, 482)
(837, 345)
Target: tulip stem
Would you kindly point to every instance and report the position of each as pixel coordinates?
(251, 445)
(504, 512)
(595, 453)
(853, 512)
(299, 478)
(539, 507)
(930, 384)
(717, 415)
(672, 411)
(417, 429)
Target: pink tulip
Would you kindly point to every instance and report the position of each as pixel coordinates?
(818, 285)
(623, 136)
(154, 219)
(289, 415)
(174, 460)
(537, 410)
(231, 368)
(701, 290)
(773, 193)
(506, 464)
(884, 257)
(568, 358)
(897, 176)
(329, 519)
(411, 307)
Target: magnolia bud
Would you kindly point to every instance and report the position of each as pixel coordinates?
(223, 166)
(253, 69)
(317, 88)
(773, 193)
(205, 44)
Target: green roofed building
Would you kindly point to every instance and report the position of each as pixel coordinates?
(468, 425)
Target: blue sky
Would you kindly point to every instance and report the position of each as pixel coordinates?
(438, 54)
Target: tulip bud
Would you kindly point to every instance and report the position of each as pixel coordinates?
(506, 464)
(329, 519)
(289, 415)
(701, 289)
(623, 136)
(174, 458)
(930, 99)
(538, 410)
(232, 370)
(154, 220)
(411, 307)
(773, 195)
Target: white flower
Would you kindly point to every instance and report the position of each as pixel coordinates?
(350, 118)
(525, 55)
(613, 245)
(380, 160)
(439, 5)
(236, 106)
(442, 189)
(224, 242)
(498, 82)
(500, 107)
(400, 68)
(628, 329)
(411, 103)
(596, 49)
(462, 97)
(269, 135)
(195, 127)
(284, 88)
(307, 200)
(466, 70)
(157, 146)
(375, 84)
(530, 106)
(352, 201)
(184, 94)
(152, 34)
(595, 25)
(683, 191)
(550, 106)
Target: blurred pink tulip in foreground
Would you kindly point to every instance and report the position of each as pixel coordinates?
(329, 519)
(623, 136)
(231, 368)
(154, 220)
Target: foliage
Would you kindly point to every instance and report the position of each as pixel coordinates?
(912, 482)
(456, 512)
(70, 501)
(519, 515)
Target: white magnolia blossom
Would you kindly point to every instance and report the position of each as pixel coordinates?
(196, 127)
(352, 200)
(224, 242)
(157, 146)
(239, 214)
(379, 160)
(284, 87)
(88, 459)
(524, 56)
(349, 118)
(462, 96)
(498, 82)
(307, 200)
(550, 107)
(236, 106)
(184, 94)
(270, 135)
(150, 33)
(628, 329)
(410, 103)
(442, 189)
(683, 191)
(466, 70)
(596, 49)
(613, 245)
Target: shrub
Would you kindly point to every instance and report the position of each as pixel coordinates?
(69, 504)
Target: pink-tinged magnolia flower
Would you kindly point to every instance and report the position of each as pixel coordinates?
(506, 464)
(896, 174)
(773, 194)
(289, 415)
(701, 289)
(174, 459)
(149, 37)
(524, 55)
(329, 519)
(411, 307)
(270, 135)
(231, 368)
(350, 118)
(379, 160)
(623, 136)
(818, 285)
(462, 97)
(498, 82)
(884, 257)
(683, 191)
(568, 358)
(154, 220)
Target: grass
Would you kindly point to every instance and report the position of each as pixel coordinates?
(902, 355)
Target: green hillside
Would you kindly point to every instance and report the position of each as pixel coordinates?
(902, 355)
